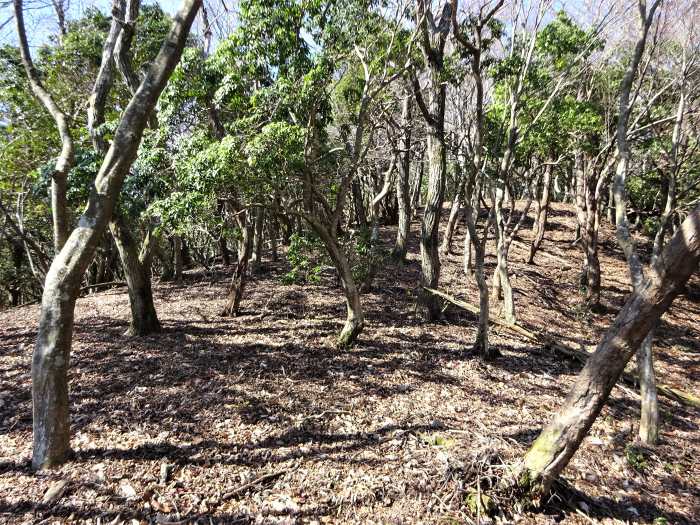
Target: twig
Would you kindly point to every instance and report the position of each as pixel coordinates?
(260, 479)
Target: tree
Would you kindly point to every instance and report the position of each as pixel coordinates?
(433, 33)
(475, 179)
(649, 420)
(559, 440)
(64, 162)
(52, 350)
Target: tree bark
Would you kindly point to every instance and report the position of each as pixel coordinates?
(446, 247)
(402, 183)
(355, 320)
(560, 439)
(587, 215)
(542, 212)
(240, 273)
(65, 160)
(624, 239)
(178, 261)
(103, 82)
(256, 256)
(430, 257)
(137, 273)
(55, 331)
(433, 38)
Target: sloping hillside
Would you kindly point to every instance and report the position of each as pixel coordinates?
(260, 419)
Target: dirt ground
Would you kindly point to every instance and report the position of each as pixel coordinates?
(259, 419)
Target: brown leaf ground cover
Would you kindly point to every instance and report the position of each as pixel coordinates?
(259, 419)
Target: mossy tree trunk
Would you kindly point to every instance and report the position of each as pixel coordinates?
(560, 439)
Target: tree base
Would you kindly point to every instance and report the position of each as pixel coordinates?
(348, 336)
(143, 329)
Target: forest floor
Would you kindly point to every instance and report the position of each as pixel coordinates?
(179, 427)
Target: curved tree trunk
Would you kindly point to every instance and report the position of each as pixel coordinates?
(55, 332)
(355, 320)
(560, 439)
(65, 160)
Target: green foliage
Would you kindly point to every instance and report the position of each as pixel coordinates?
(306, 258)
(637, 458)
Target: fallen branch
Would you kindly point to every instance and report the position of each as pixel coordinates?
(102, 285)
(578, 355)
(260, 479)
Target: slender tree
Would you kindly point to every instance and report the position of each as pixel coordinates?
(55, 331)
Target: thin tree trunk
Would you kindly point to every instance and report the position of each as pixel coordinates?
(560, 439)
(358, 200)
(178, 261)
(65, 160)
(540, 223)
(624, 238)
(481, 345)
(501, 278)
(402, 183)
(418, 187)
(55, 332)
(103, 82)
(355, 321)
(446, 247)
(240, 273)
(256, 256)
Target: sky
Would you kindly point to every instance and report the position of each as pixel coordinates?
(40, 18)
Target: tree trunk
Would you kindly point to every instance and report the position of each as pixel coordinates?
(355, 320)
(481, 345)
(587, 215)
(624, 238)
(417, 187)
(274, 231)
(560, 439)
(540, 224)
(649, 420)
(137, 273)
(501, 278)
(402, 184)
(446, 247)
(240, 273)
(65, 160)
(358, 200)
(429, 304)
(55, 332)
(177, 258)
(256, 257)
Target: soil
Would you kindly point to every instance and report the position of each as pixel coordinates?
(260, 419)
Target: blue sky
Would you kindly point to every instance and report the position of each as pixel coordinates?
(40, 19)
